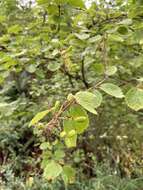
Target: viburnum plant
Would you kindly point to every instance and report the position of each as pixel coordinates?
(99, 47)
(97, 38)
(68, 120)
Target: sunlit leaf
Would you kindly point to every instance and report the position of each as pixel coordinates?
(38, 117)
(73, 123)
(112, 90)
(111, 70)
(52, 170)
(89, 100)
(68, 174)
(134, 98)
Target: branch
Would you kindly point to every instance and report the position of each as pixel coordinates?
(107, 21)
(59, 24)
(83, 75)
(105, 54)
(44, 18)
(105, 62)
(70, 76)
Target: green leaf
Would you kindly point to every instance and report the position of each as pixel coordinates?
(98, 68)
(68, 174)
(112, 90)
(126, 21)
(71, 133)
(134, 98)
(111, 70)
(73, 123)
(95, 39)
(54, 66)
(59, 154)
(83, 36)
(3, 105)
(69, 124)
(41, 2)
(31, 68)
(52, 170)
(46, 156)
(71, 141)
(44, 145)
(123, 30)
(116, 38)
(61, 1)
(38, 117)
(2, 18)
(77, 3)
(88, 100)
(15, 29)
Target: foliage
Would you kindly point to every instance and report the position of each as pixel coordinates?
(103, 181)
(61, 63)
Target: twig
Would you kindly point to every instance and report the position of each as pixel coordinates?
(83, 75)
(105, 62)
(105, 54)
(44, 18)
(55, 120)
(107, 20)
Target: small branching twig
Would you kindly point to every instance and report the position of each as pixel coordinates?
(105, 54)
(54, 122)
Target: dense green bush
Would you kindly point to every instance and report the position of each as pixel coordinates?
(103, 181)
